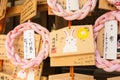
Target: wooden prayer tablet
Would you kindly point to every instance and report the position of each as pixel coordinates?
(72, 47)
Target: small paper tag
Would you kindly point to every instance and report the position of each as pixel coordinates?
(72, 4)
(31, 75)
(29, 44)
(110, 40)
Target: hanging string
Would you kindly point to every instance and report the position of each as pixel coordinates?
(72, 72)
(69, 24)
(71, 67)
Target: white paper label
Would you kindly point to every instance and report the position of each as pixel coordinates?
(72, 4)
(31, 75)
(110, 40)
(29, 44)
(21, 74)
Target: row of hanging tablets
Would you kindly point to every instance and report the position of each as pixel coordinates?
(76, 45)
(79, 45)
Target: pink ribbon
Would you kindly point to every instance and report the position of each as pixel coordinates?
(69, 15)
(14, 57)
(106, 65)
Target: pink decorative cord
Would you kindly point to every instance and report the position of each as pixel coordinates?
(69, 15)
(108, 66)
(14, 57)
(116, 3)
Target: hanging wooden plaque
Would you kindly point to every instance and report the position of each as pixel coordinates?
(103, 4)
(29, 10)
(66, 76)
(18, 45)
(63, 4)
(72, 47)
(3, 7)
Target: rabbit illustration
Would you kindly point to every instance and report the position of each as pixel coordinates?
(31, 75)
(21, 74)
(70, 42)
